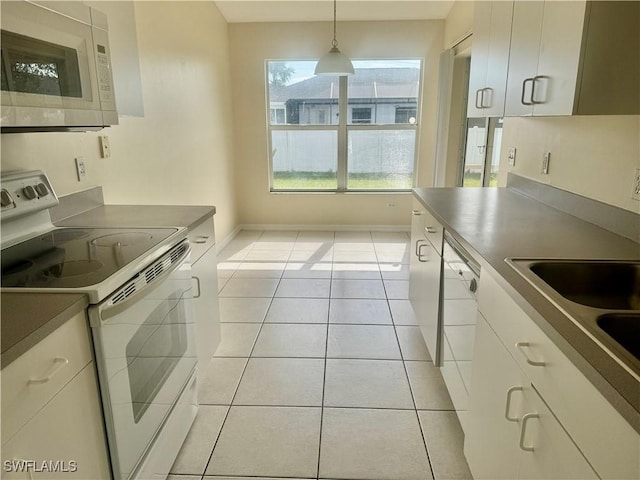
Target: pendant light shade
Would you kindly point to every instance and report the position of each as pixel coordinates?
(335, 62)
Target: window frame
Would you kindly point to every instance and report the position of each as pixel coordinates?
(343, 128)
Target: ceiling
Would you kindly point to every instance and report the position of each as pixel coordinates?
(247, 11)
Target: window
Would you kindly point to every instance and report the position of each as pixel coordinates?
(343, 133)
(406, 114)
(360, 115)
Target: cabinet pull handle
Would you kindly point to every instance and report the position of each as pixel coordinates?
(201, 239)
(523, 431)
(480, 92)
(198, 285)
(418, 242)
(507, 406)
(431, 229)
(420, 253)
(524, 83)
(58, 364)
(533, 89)
(521, 346)
(416, 212)
(490, 90)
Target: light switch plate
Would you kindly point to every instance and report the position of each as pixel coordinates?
(511, 156)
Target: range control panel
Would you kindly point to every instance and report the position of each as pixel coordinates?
(23, 192)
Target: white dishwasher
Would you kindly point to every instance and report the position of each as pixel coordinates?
(461, 274)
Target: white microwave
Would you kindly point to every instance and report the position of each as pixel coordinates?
(56, 68)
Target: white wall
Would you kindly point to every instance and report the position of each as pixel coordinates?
(594, 156)
(252, 44)
(181, 151)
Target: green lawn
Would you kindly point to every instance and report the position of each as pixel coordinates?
(327, 181)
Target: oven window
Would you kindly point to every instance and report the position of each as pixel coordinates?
(155, 350)
(30, 65)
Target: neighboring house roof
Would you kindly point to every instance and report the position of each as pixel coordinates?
(367, 83)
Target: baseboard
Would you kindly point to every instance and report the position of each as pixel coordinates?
(326, 228)
(221, 244)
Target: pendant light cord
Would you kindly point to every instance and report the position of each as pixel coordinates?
(334, 43)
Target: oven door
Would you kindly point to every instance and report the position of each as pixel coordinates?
(49, 70)
(144, 338)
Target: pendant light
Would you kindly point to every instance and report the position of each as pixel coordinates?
(335, 62)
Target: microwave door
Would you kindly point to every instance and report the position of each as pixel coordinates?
(46, 62)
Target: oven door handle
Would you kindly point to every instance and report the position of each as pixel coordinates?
(108, 308)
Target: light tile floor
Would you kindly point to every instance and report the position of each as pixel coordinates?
(322, 372)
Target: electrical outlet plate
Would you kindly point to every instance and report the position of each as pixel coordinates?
(636, 185)
(545, 163)
(81, 170)
(511, 156)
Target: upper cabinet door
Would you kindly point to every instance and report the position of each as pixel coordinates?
(560, 45)
(523, 57)
(489, 58)
(493, 96)
(479, 57)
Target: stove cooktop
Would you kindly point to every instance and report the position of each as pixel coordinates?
(76, 257)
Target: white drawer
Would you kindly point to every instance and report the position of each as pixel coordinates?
(201, 238)
(607, 440)
(433, 231)
(31, 380)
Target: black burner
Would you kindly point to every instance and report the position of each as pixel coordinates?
(125, 239)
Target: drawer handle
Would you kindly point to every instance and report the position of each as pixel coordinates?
(523, 430)
(416, 212)
(420, 253)
(202, 239)
(521, 346)
(507, 407)
(58, 364)
(197, 279)
(431, 229)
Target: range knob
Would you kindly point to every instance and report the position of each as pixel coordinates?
(42, 190)
(5, 198)
(29, 192)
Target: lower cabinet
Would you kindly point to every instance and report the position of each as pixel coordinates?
(52, 425)
(532, 413)
(204, 270)
(424, 280)
(511, 433)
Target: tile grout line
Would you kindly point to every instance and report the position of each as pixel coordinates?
(324, 376)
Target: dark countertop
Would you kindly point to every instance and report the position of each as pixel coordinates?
(140, 216)
(27, 318)
(497, 223)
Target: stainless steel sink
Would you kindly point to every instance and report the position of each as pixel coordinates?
(601, 296)
(623, 328)
(599, 284)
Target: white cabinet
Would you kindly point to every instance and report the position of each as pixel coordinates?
(425, 274)
(511, 433)
(51, 414)
(571, 57)
(569, 420)
(489, 58)
(204, 269)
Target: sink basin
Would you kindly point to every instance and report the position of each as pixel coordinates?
(624, 328)
(598, 284)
